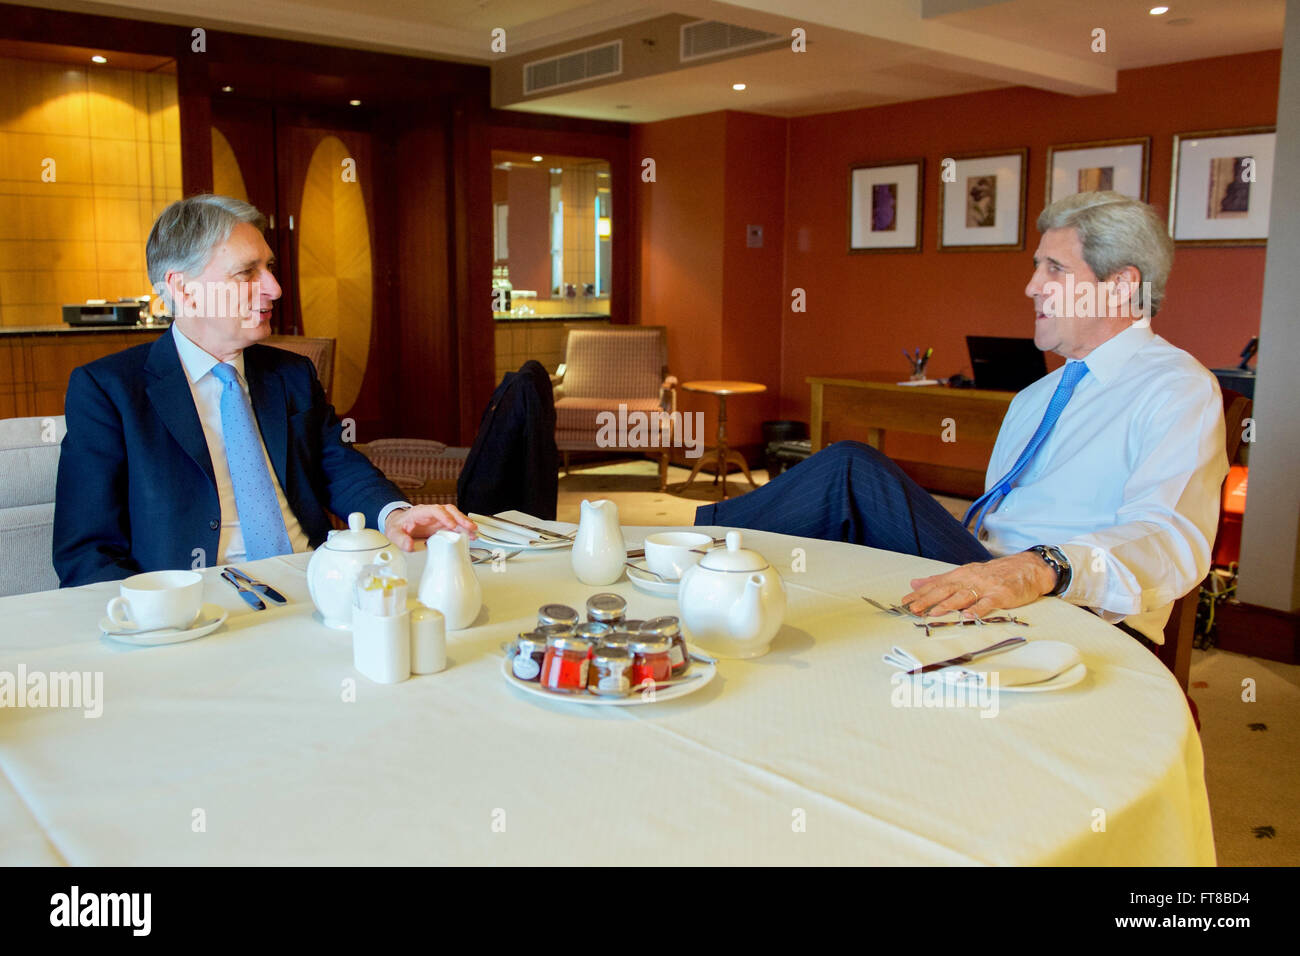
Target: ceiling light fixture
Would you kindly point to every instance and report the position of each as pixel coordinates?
(227, 89)
(354, 102)
(98, 59)
(1157, 11)
(737, 86)
(537, 159)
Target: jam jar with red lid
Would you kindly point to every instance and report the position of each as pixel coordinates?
(670, 629)
(564, 668)
(530, 652)
(611, 671)
(650, 658)
(606, 608)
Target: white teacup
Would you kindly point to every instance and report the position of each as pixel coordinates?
(670, 554)
(157, 599)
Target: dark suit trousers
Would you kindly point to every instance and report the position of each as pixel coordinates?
(851, 492)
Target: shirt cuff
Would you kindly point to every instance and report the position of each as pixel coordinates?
(388, 510)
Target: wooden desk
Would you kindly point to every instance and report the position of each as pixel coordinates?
(849, 408)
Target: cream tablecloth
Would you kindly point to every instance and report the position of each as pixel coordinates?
(242, 747)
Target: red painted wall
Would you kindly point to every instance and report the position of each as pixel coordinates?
(728, 307)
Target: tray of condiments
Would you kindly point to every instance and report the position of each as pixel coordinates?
(607, 659)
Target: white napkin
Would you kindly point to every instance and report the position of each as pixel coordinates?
(502, 531)
(1029, 663)
(931, 650)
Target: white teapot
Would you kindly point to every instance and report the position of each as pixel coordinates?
(733, 601)
(334, 565)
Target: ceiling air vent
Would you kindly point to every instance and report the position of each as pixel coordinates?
(578, 66)
(705, 38)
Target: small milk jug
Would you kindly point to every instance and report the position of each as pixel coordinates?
(598, 548)
(449, 583)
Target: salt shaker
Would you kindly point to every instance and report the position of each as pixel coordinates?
(381, 625)
(428, 640)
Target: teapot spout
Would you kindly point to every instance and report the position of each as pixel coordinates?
(746, 617)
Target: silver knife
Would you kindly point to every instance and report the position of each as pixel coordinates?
(251, 599)
(256, 585)
(967, 658)
(508, 522)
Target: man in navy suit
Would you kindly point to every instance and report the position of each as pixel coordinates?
(204, 447)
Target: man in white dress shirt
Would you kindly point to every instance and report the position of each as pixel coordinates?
(1103, 486)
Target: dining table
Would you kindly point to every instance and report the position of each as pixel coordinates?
(261, 744)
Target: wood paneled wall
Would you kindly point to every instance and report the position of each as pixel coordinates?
(90, 157)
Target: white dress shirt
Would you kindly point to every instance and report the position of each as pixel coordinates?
(1127, 483)
(206, 389)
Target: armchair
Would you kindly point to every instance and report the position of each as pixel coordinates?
(607, 369)
(425, 471)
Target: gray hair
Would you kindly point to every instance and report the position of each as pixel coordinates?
(185, 234)
(1115, 232)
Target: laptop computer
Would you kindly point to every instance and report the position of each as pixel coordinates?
(1004, 364)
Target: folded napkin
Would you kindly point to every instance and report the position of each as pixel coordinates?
(504, 531)
(1028, 663)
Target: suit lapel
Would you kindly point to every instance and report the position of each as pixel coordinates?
(267, 391)
(174, 403)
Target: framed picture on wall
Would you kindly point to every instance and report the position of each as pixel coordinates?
(885, 207)
(1221, 187)
(982, 201)
(1118, 164)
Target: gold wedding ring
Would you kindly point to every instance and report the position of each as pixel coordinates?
(974, 592)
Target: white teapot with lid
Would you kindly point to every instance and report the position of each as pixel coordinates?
(733, 601)
(334, 565)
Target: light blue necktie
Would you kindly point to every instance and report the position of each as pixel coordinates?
(1074, 371)
(259, 511)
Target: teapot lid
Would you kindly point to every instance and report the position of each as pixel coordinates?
(357, 538)
(733, 557)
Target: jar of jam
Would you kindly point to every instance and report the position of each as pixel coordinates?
(611, 671)
(650, 658)
(557, 614)
(530, 651)
(670, 629)
(631, 625)
(564, 668)
(592, 631)
(606, 608)
(615, 639)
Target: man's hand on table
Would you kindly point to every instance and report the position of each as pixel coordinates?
(984, 586)
(405, 526)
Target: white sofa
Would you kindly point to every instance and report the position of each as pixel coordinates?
(29, 464)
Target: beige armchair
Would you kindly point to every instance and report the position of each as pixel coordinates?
(29, 465)
(605, 368)
(425, 471)
(319, 350)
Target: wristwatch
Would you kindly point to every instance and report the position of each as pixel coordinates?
(1055, 559)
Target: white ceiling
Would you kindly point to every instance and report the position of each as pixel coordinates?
(860, 52)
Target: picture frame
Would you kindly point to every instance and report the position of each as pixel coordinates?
(1221, 187)
(885, 206)
(982, 201)
(1119, 164)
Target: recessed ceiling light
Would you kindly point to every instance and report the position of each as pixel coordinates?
(354, 102)
(227, 89)
(737, 86)
(537, 159)
(98, 59)
(1157, 11)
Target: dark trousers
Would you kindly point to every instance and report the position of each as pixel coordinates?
(851, 492)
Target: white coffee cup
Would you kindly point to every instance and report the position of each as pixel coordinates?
(670, 553)
(157, 599)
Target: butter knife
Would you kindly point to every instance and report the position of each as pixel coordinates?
(967, 658)
(264, 589)
(250, 598)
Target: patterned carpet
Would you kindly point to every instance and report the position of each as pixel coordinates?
(1252, 747)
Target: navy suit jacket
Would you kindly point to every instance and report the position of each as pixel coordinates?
(136, 490)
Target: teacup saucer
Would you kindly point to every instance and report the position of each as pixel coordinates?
(643, 580)
(211, 617)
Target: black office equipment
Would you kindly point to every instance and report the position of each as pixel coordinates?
(1004, 364)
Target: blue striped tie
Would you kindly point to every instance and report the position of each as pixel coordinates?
(259, 511)
(1074, 371)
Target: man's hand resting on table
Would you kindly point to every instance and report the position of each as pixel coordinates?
(984, 586)
(405, 526)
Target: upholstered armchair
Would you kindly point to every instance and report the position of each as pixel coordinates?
(319, 350)
(605, 368)
(29, 465)
(425, 471)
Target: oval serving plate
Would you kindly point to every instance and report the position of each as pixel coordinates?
(706, 671)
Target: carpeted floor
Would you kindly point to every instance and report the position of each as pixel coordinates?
(1252, 747)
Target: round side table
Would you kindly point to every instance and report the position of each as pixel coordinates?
(721, 455)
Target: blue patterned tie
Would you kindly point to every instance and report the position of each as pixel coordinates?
(1074, 371)
(259, 511)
